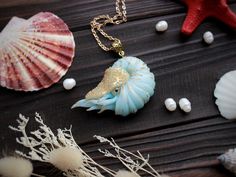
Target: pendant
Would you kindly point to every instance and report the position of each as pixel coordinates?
(124, 89)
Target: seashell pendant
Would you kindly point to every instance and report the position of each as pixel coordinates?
(124, 89)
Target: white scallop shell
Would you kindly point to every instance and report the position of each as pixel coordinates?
(35, 53)
(225, 92)
(228, 159)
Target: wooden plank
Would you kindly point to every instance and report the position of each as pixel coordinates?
(180, 144)
(182, 69)
(178, 148)
(11, 3)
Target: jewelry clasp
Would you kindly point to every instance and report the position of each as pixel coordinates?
(118, 48)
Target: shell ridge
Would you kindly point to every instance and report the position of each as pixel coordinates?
(131, 103)
(142, 93)
(121, 108)
(43, 78)
(52, 65)
(55, 56)
(21, 69)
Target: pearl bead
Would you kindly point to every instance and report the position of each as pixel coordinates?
(68, 84)
(185, 105)
(208, 37)
(170, 104)
(162, 26)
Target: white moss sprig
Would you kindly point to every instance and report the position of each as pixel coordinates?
(61, 150)
(133, 162)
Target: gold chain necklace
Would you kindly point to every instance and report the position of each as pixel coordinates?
(102, 20)
(128, 84)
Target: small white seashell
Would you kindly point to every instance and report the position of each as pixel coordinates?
(15, 167)
(68, 84)
(225, 93)
(66, 158)
(125, 173)
(162, 26)
(170, 104)
(208, 37)
(228, 159)
(185, 105)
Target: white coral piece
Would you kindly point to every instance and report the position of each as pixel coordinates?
(133, 162)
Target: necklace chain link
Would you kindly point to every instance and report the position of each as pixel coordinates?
(102, 20)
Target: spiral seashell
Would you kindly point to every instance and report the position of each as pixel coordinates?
(125, 88)
(225, 93)
(228, 160)
(35, 53)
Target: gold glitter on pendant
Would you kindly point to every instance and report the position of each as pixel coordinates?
(113, 78)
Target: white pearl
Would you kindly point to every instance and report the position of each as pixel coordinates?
(208, 37)
(68, 84)
(162, 26)
(170, 104)
(185, 105)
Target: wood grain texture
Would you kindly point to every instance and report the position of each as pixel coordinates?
(181, 144)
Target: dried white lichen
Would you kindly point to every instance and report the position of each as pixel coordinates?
(62, 151)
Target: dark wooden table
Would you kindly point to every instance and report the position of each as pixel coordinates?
(183, 145)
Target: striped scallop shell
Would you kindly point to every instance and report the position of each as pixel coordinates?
(131, 96)
(225, 93)
(35, 53)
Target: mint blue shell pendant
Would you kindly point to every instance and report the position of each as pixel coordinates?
(124, 89)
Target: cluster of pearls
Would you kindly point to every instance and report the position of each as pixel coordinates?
(162, 26)
(184, 104)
